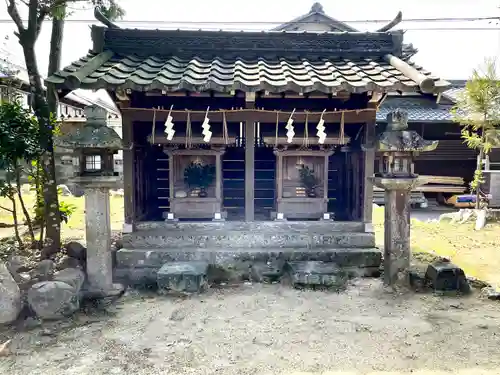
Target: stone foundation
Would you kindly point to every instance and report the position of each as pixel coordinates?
(237, 247)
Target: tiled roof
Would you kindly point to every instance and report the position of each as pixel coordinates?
(171, 60)
(197, 74)
(453, 93)
(419, 110)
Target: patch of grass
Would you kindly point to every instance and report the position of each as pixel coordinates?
(75, 228)
(476, 252)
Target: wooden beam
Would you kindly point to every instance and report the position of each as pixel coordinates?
(376, 97)
(251, 114)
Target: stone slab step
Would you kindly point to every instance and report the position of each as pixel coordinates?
(316, 273)
(288, 226)
(262, 239)
(155, 258)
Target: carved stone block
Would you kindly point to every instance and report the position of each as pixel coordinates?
(183, 277)
(268, 271)
(445, 276)
(316, 274)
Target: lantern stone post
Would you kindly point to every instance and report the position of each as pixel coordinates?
(397, 147)
(94, 147)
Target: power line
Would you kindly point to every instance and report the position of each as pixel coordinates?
(445, 19)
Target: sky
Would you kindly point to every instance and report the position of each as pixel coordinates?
(450, 54)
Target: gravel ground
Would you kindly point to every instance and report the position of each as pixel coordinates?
(268, 329)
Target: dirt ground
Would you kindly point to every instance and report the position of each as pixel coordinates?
(268, 329)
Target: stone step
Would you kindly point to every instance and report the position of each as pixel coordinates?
(287, 226)
(262, 239)
(155, 258)
(140, 266)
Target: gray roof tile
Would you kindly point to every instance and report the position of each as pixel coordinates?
(419, 110)
(220, 74)
(453, 93)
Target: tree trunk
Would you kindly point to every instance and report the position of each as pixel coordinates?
(41, 108)
(16, 222)
(53, 217)
(27, 217)
(479, 167)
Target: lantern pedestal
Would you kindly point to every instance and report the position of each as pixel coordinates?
(98, 234)
(397, 252)
(398, 146)
(94, 146)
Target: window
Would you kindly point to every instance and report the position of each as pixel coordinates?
(93, 163)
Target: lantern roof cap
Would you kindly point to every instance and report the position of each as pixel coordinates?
(397, 137)
(94, 134)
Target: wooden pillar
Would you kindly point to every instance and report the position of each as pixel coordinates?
(171, 192)
(325, 178)
(249, 161)
(128, 174)
(218, 176)
(368, 171)
(279, 182)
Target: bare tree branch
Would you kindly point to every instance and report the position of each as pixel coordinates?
(6, 209)
(14, 14)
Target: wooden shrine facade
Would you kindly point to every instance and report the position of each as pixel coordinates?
(247, 180)
(227, 108)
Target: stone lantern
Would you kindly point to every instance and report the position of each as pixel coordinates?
(397, 147)
(94, 146)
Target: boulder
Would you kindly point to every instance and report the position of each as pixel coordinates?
(18, 263)
(490, 293)
(10, 296)
(71, 276)
(76, 250)
(53, 299)
(68, 262)
(44, 270)
(16, 266)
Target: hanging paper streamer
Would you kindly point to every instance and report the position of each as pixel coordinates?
(289, 127)
(321, 129)
(342, 135)
(207, 134)
(153, 131)
(169, 125)
(225, 132)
